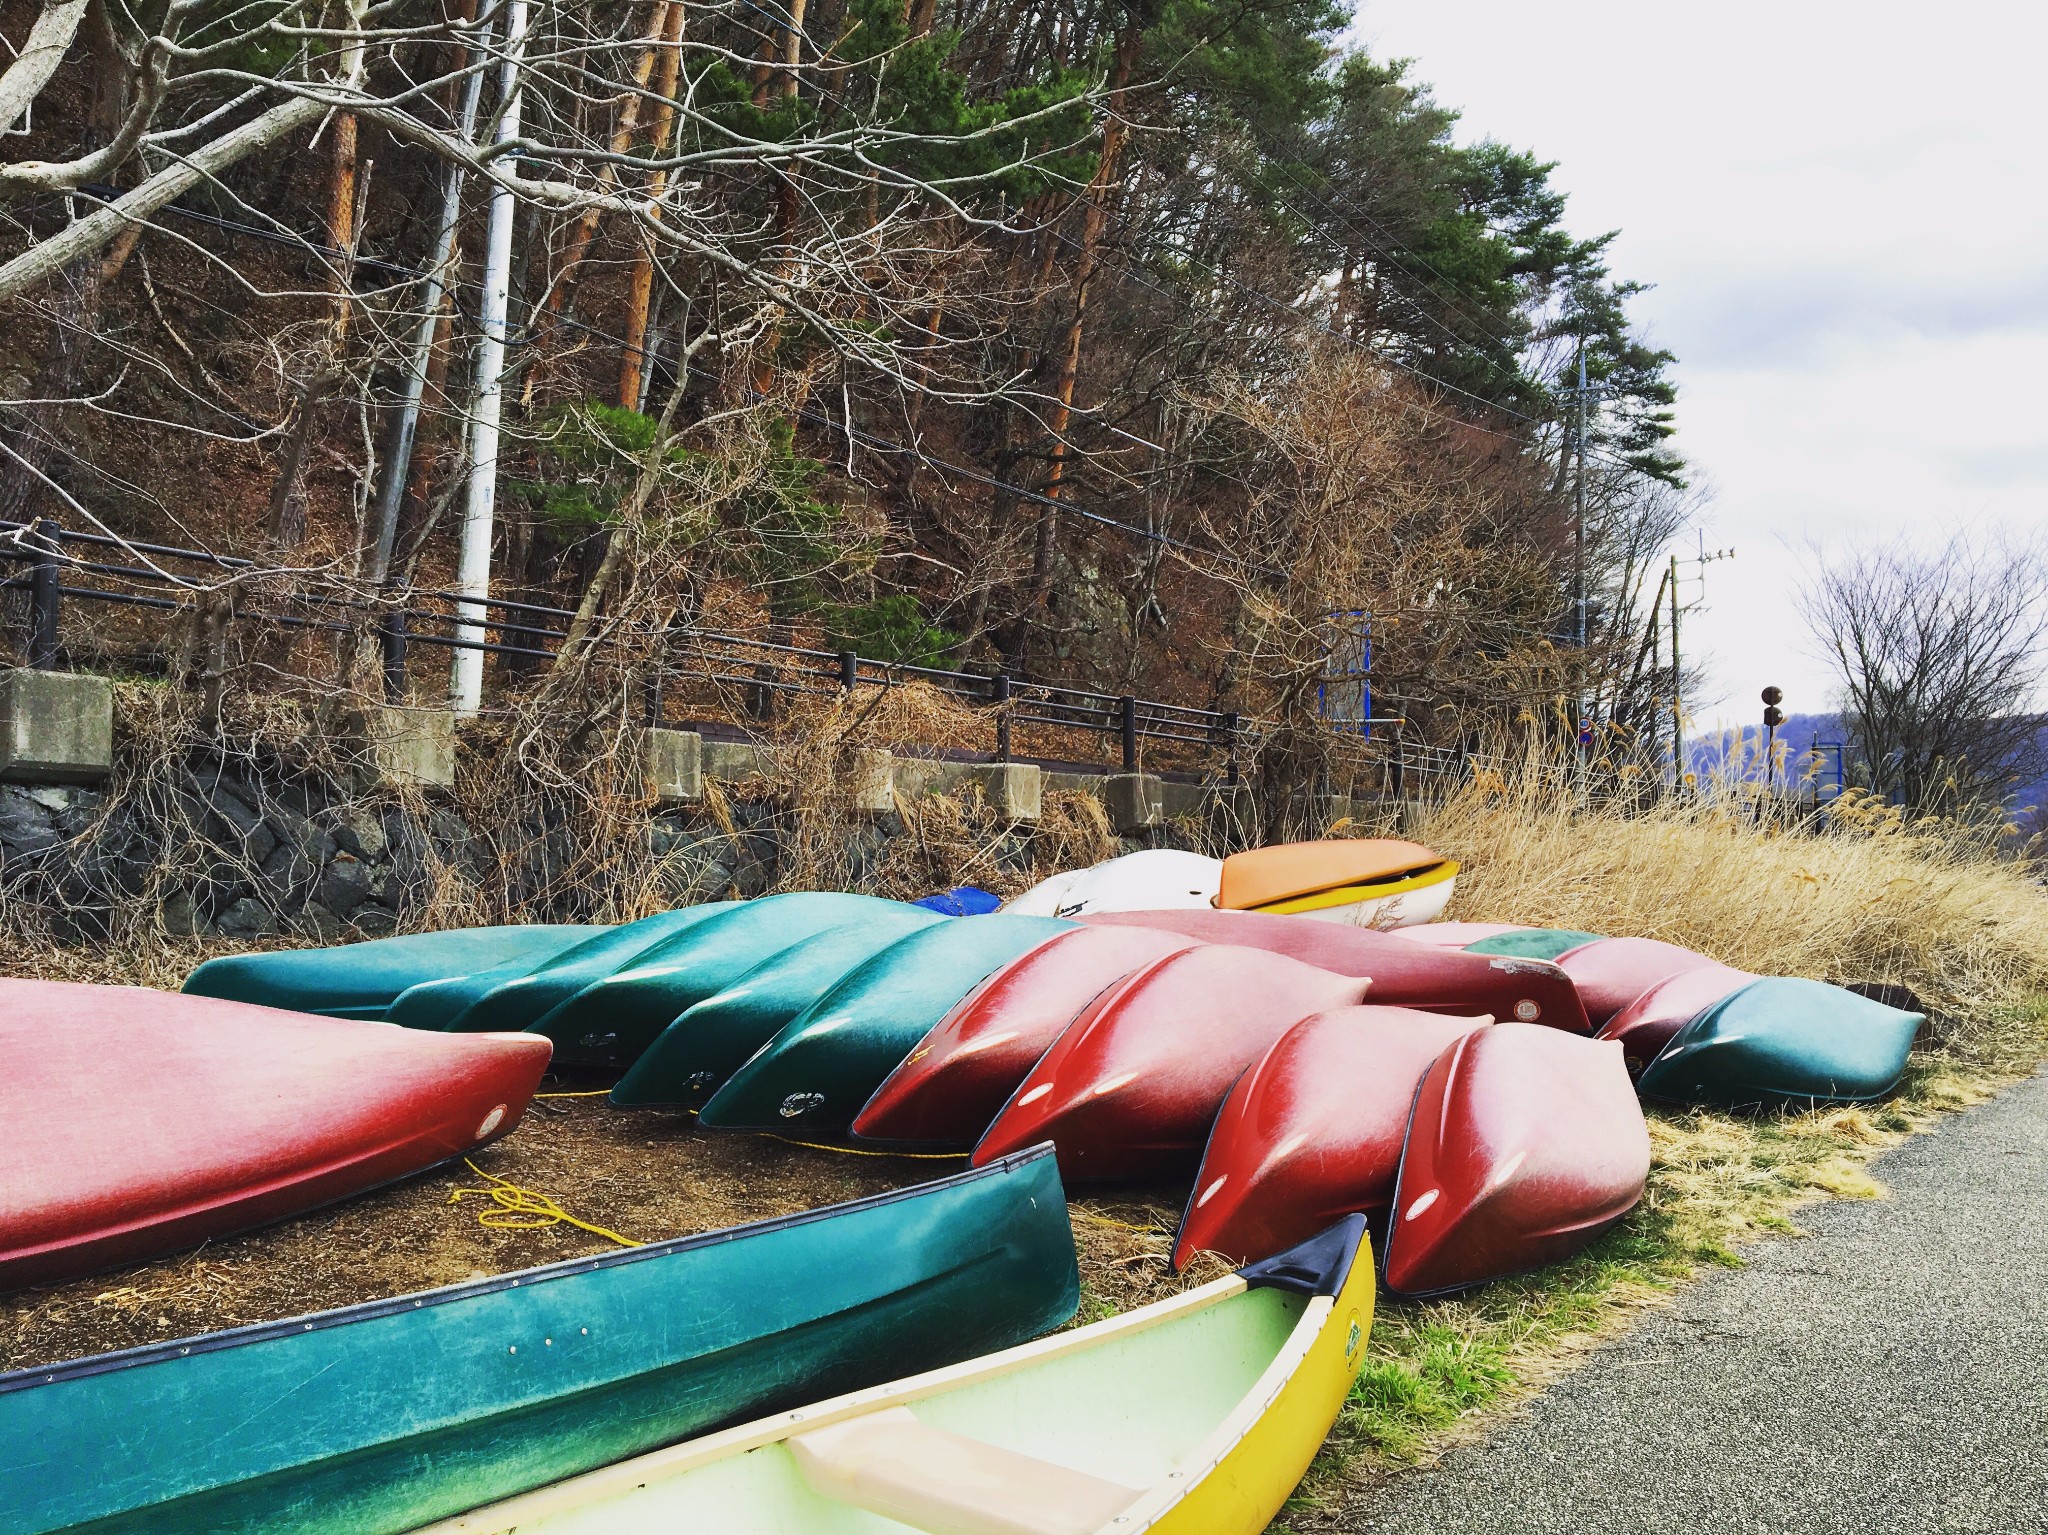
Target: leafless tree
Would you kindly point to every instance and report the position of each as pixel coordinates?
(1941, 657)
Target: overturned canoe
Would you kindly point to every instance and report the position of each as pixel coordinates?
(1647, 1025)
(1458, 935)
(1523, 1146)
(817, 1073)
(1366, 882)
(1777, 1040)
(1312, 1132)
(1403, 974)
(381, 1417)
(234, 1117)
(1130, 1090)
(610, 1021)
(516, 994)
(950, 1088)
(361, 980)
(695, 1055)
(1196, 1415)
(1531, 942)
(1610, 973)
(1152, 879)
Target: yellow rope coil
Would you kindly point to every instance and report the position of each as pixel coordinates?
(522, 1209)
(602, 1092)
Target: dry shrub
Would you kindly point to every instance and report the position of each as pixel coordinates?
(1864, 897)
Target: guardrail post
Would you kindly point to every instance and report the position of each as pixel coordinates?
(1127, 709)
(392, 636)
(849, 670)
(44, 596)
(999, 689)
(1230, 750)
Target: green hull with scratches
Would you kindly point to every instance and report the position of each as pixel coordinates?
(517, 995)
(818, 1073)
(382, 1417)
(610, 1021)
(362, 980)
(708, 1043)
(1782, 1040)
(1532, 943)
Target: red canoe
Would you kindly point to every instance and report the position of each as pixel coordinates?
(1129, 1090)
(1312, 1133)
(1403, 974)
(139, 1122)
(1647, 1025)
(1612, 972)
(1454, 935)
(957, 1080)
(1525, 1144)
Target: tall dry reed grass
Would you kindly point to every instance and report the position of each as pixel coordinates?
(1865, 895)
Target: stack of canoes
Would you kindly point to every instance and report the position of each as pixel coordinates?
(1697, 1031)
(1359, 881)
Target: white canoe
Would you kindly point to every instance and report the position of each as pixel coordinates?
(1157, 879)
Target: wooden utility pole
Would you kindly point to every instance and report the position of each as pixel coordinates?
(473, 565)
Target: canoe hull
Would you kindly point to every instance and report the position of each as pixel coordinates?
(1780, 1041)
(952, 1086)
(246, 1115)
(1611, 973)
(391, 1415)
(1646, 1027)
(1524, 1145)
(1400, 903)
(1152, 879)
(1312, 1132)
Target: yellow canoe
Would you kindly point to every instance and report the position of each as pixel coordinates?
(1194, 1416)
(1366, 881)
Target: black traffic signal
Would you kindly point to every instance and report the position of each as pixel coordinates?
(1773, 715)
(1774, 695)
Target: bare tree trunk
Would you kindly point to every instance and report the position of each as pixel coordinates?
(640, 286)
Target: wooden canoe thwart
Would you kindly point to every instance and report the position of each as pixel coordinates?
(139, 1122)
(1130, 1090)
(1364, 881)
(1524, 1145)
(518, 994)
(382, 1417)
(952, 1086)
(1785, 1041)
(817, 1073)
(1197, 1415)
(611, 1020)
(1313, 1131)
(1403, 974)
(694, 1056)
(362, 980)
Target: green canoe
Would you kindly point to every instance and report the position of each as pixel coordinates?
(385, 1416)
(362, 980)
(1532, 943)
(1781, 1040)
(514, 995)
(610, 1021)
(819, 1072)
(711, 1041)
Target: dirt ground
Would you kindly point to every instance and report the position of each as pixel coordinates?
(641, 1174)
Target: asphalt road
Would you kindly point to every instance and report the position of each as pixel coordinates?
(1885, 1375)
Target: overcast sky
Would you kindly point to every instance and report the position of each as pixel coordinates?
(1845, 210)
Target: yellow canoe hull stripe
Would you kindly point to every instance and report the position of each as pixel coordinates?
(1352, 895)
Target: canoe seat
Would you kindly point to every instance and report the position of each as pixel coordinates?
(889, 1463)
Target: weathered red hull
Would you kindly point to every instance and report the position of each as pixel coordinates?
(957, 1080)
(1454, 935)
(1649, 1023)
(1612, 972)
(1524, 1145)
(139, 1123)
(1313, 1132)
(1131, 1088)
(1403, 974)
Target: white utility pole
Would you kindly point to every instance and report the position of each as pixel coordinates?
(473, 568)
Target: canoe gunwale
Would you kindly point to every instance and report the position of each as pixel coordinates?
(256, 1332)
(1357, 891)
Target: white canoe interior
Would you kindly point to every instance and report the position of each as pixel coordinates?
(1105, 1428)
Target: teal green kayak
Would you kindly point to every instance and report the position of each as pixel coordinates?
(610, 1021)
(1781, 1040)
(382, 1417)
(819, 1072)
(362, 980)
(512, 996)
(1532, 943)
(696, 1053)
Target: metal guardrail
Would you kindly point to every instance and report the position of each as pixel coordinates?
(61, 569)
